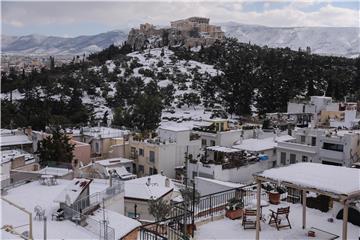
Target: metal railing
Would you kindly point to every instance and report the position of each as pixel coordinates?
(98, 197)
(99, 228)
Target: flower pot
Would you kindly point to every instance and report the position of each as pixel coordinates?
(190, 228)
(274, 197)
(234, 214)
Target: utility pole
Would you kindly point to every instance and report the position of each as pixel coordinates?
(45, 233)
(186, 188)
(104, 221)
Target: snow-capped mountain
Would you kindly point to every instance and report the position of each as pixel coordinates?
(340, 41)
(49, 45)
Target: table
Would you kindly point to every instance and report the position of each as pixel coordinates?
(47, 180)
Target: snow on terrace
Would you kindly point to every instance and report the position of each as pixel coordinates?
(32, 194)
(258, 145)
(232, 229)
(143, 188)
(333, 179)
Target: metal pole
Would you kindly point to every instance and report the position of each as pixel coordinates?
(193, 210)
(258, 193)
(304, 208)
(345, 220)
(135, 213)
(45, 237)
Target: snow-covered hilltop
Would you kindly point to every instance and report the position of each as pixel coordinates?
(339, 41)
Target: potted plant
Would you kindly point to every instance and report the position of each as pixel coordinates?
(234, 208)
(274, 192)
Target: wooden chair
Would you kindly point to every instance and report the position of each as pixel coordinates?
(249, 219)
(278, 216)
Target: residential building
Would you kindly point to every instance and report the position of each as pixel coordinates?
(227, 164)
(139, 192)
(164, 152)
(15, 139)
(119, 167)
(327, 146)
(101, 139)
(216, 132)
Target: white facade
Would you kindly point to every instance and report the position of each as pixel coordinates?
(243, 174)
(321, 146)
(169, 151)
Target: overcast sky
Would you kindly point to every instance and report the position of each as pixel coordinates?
(69, 18)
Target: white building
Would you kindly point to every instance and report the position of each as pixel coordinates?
(123, 168)
(325, 146)
(164, 152)
(139, 192)
(314, 107)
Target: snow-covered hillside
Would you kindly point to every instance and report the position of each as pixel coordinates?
(152, 60)
(341, 41)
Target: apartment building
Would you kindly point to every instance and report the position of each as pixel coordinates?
(327, 146)
(217, 132)
(165, 152)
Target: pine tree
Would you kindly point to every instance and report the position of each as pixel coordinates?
(55, 149)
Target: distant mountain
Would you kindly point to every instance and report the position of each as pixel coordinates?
(340, 41)
(49, 45)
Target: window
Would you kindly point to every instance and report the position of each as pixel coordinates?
(132, 215)
(141, 152)
(292, 158)
(333, 147)
(151, 156)
(151, 171)
(283, 158)
(141, 169)
(203, 142)
(305, 158)
(212, 143)
(313, 141)
(302, 139)
(128, 169)
(97, 147)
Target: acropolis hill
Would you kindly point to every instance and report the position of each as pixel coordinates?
(190, 32)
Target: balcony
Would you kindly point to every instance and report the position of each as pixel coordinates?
(297, 147)
(324, 153)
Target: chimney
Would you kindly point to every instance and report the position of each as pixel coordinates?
(167, 182)
(148, 182)
(28, 132)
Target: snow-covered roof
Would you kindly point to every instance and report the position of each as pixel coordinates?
(223, 183)
(11, 140)
(333, 179)
(140, 189)
(34, 194)
(100, 132)
(113, 161)
(222, 149)
(121, 224)
(8, 155)
(175, 128)
(73, 190)
(258, 145)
